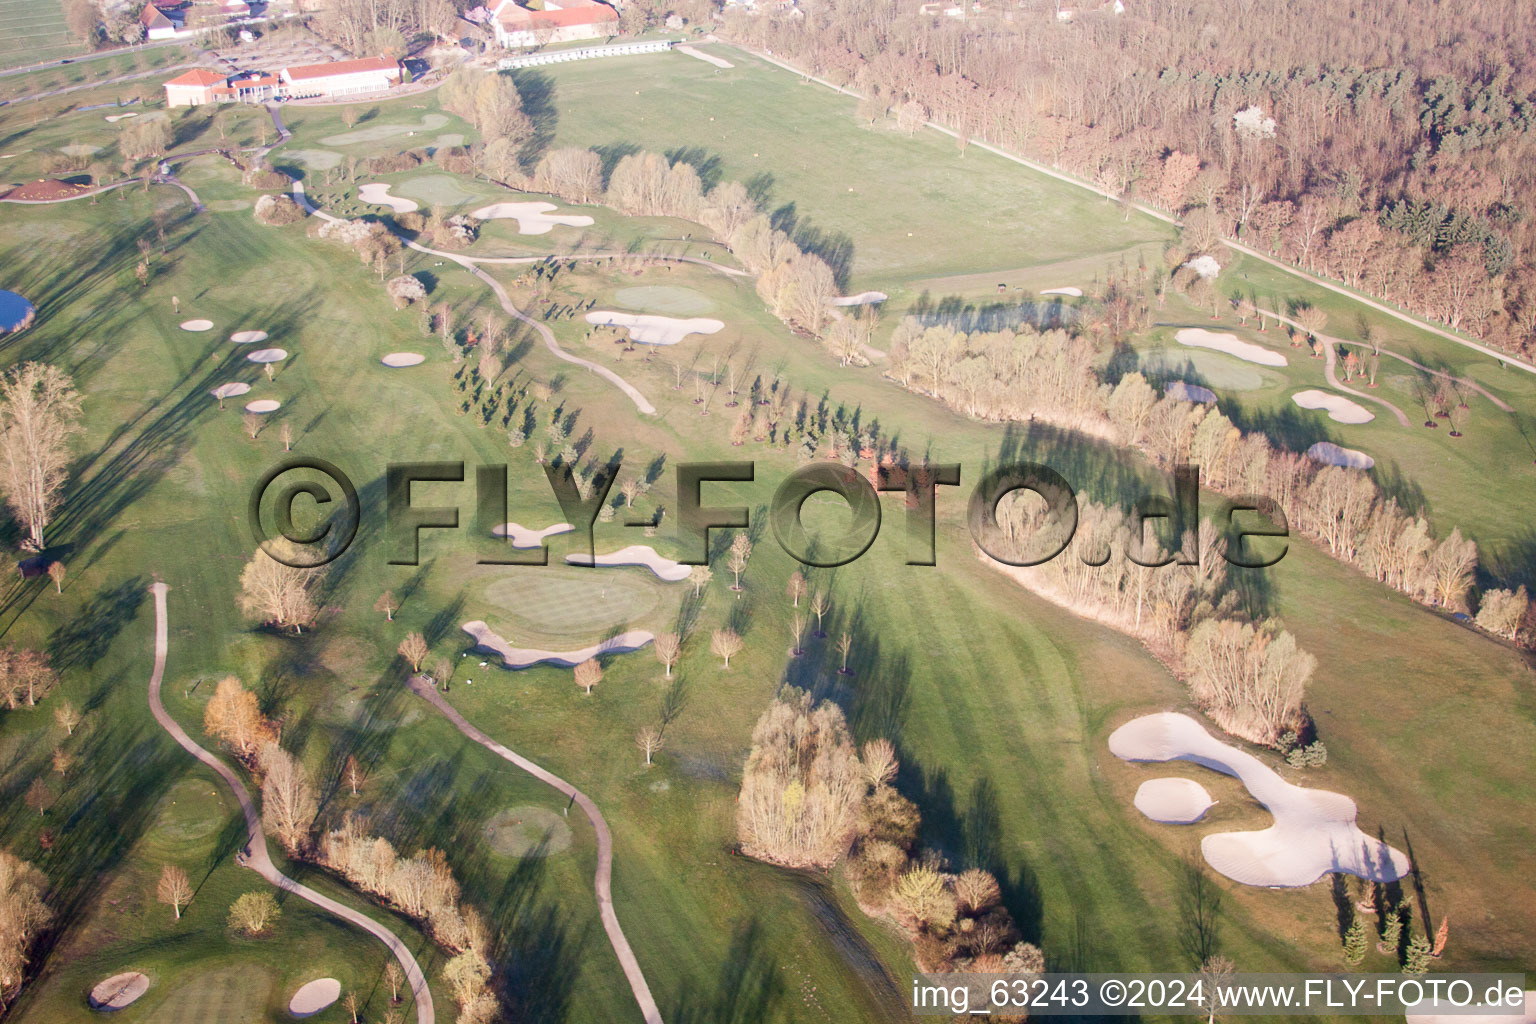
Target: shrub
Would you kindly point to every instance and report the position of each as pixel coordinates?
(253, 913)
(276, 211)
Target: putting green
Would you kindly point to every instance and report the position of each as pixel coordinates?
(437, 189)
(560, 602)
(214, 997)
(664, 298)
(189, 811)
(1210, 368)
(314, 159)
(527, 832)
(384, 132)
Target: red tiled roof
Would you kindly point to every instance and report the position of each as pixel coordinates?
(342, 67)
(153, 18)
(513, 16)
(198, 76)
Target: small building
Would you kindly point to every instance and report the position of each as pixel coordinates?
(341, 78)
(159, 23)
(195, 87)
(561, 21)
(250, 87)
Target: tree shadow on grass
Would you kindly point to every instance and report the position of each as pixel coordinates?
(85, 639)
(748, 988)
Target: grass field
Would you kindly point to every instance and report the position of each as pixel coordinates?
(32, 31)
(999, 703)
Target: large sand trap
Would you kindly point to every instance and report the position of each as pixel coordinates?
(403, 359)
(118, 991)
(1199, 337)
(1173, 801)
(637, 554)
(247, 337)
(1076, 293)
(310, 999)
(1339, 408)
(197, 326)
(649, 329)
(378, 193)
(1331, 454)
(268, 355)
(861, 299)
(527, 831)
(1185, 392)
(1314, 831)
(522, 537)
(114, 118)
(522, 657)
(532, 218)
(706, 57)
(1495, 1015)
(230, 390)
(263, 405)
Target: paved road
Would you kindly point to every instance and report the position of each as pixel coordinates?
(255, 855)
(469, 263)
(428, 690)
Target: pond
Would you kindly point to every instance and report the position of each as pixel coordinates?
(15, 311)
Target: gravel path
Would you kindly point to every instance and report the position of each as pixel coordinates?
(428, 691)
(255, 855)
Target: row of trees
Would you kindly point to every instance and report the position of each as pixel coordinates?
(810, 799)
(23, 914)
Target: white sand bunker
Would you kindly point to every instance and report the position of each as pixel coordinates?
(1331, 454)
(378, 193)
(532, 218)
(1495, 1014)
(1189, 392)
(1314, 831)
(310, 999)
(197, 326)
(403, 359)
(1198, 337)
(230, 390)
(701, 55)
(114, 118)
(522, 537)
(861, 299)
(1076, 293)
(650, 329)
(247, 337)
(637, 554)
(268, 355)
(1173, 801)
(118, 991)
(1339, 408)
(522, 657)
(263, 405)
(527, 831)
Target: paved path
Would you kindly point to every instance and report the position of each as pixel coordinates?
(422, 687)
(470, 263)
(1330, 367)
(255, 855)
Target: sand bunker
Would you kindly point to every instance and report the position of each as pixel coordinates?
(403, 359)
(527, 831)
(637, 554)
(1076, 293)
(247, 337)
(263, 405)
(314, 997)
(522, 537)
(268, 355)
(1331, 454)
(197, 326)
(1495, 1014)
(486, 640)
(1189, 392)
(118, 991)
(1314, 831)
(532, 218)
(114, 118)
(649, 329)
(1339, 408)
(378, 193)
(1198, 337)
(701, 55)
(231, 390)
(861, 299)
(1173, 801)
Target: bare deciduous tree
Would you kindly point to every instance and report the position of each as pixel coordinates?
(726, 643)
(736, 561)
(288, 805)
(650, 740)
(56, 573)
(796, 587)
(39, 413)
(699, 576)
(387, 604)
(174, 890)
(68, 718)
(276, 592)
(414, 650)
(394, 976)
(820, 605)
(797, 632)
(234, 717)
(588, 674)
(668, 646)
